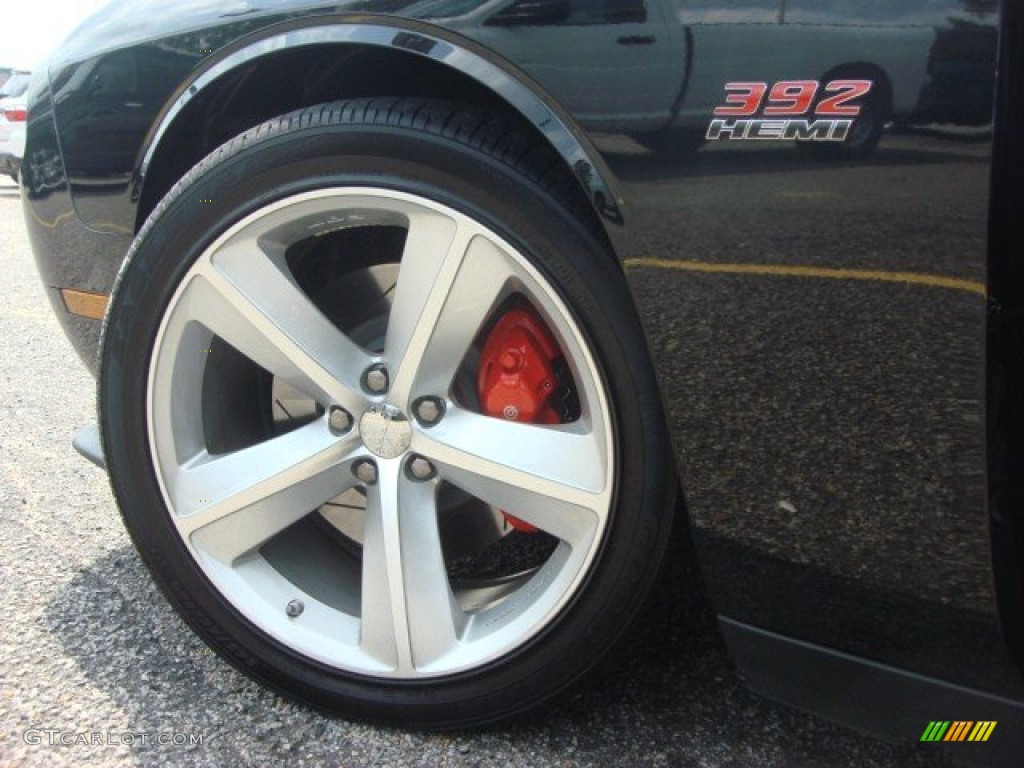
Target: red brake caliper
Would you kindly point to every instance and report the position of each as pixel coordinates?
(516, 377)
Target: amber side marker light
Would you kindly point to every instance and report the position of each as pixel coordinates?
(85, 304)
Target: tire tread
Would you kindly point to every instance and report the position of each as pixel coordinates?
(496, 135)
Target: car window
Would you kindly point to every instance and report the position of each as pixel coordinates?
(734, 12)
(15, 86)
(442, 9)
(570, 13)
(871, 12)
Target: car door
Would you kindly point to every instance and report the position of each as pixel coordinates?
(615, 64)
(784, 40)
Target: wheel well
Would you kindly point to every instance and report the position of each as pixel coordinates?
(292, 79)
(865, 70)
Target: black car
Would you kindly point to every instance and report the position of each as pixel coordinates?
(419, 327)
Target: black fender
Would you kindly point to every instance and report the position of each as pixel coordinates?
(502, 78)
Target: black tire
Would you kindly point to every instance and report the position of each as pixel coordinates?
(868, 125)
(508, 183)
(863, 139)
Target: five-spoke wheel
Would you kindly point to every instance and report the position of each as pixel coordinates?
(308, 456)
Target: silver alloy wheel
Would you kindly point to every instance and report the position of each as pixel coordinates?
(398, 615)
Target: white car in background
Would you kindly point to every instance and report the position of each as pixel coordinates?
(13, 118)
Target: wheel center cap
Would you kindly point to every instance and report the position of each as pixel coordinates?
(385, 431)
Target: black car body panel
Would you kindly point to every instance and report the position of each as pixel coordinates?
(827, 332)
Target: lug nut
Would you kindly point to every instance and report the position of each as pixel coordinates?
(366, 471)
(340, 420)
(376, 380)
(294, 609)
(429, 410)
(421, 469)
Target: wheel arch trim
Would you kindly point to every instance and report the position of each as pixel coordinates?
(510, 84)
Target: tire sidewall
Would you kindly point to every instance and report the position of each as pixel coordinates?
(582, 273)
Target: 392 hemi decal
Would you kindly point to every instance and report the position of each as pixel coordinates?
(804, 110)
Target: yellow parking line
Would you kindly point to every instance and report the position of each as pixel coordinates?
(780, 270)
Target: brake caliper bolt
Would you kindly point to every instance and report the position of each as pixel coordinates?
(376, 380)
(429, 410)
(294, 609)
(366, 471)
(421, 469)
(340, 420)
(511, 361)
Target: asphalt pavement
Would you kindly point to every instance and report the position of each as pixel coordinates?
(95, 668)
